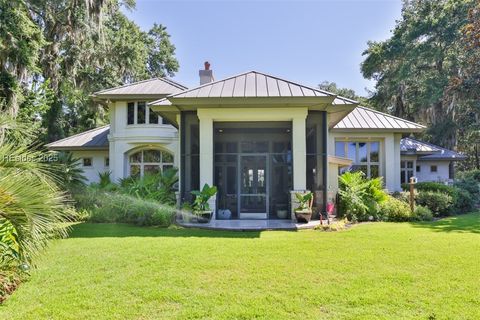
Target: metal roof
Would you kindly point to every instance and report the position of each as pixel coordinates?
(428, 151)
(91, 139)
(366, 118)
(150, 87)
(254, 84)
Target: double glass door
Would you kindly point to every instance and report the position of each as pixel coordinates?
(253, 189)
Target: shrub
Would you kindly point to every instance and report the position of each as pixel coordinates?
(471, 174)
(360, 197)
(461, 199)
(439, 203)
(469, 184)
(395, 210)
(159, 187)
(430, 186)
(422, 213)
(403, 196)
(115, 207)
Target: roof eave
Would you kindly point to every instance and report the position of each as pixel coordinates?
(410, 130)
(304, 101)
(76, 148)
(127, 97)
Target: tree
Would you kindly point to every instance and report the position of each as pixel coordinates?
(333, 88)
(466, 85)
(344, 92)
(77, 47)
(20, 43)
(414, 68)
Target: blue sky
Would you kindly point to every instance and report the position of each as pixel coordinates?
(302, 41)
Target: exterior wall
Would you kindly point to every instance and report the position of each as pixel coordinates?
(440, 176)
(389, 155)
(125, 139)
(98, 163)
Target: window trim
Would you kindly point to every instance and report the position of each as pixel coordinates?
(367, 163)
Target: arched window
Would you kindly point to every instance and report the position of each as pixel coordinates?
(149, 161)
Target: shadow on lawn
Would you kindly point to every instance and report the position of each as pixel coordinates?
(113, 230)
(468, 223)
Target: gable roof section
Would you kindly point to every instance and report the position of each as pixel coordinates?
(95, 139)
(428, 151)
(155, 87)
(254, 84)
(362, 118)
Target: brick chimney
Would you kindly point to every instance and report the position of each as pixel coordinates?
(206, 75)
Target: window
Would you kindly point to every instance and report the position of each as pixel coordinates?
(106, 162)
(130, 113)
(365, 156)
(87, 162)
(152, 117)
(418, 168)
(140, 113)
(149, 161)
(406, 170)
(433, 168)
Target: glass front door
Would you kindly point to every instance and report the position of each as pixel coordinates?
(253, 190)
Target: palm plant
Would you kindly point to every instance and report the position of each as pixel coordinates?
(168, 181)
(360, 197)
(32, 207)
(159, 186)
(68, 172)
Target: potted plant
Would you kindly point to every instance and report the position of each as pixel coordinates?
(200, 205)
(303, 212)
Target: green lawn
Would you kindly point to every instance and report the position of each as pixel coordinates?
(377, 270)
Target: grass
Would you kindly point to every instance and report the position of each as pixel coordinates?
(371, 271)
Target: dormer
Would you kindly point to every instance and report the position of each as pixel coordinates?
(128, 104)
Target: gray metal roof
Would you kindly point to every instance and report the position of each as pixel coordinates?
(150, 87)
(366, 118)
(254, 84)
(91, 139)
(428, 151)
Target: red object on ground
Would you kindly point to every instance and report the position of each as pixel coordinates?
(330, 207)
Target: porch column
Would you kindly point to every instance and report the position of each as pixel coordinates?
(206, 155)
(392, 162)
(299, 150)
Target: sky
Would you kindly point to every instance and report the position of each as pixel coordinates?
(302, 41)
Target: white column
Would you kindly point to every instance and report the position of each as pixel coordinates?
(392, 162)
(299, 146)
(396, 172)
(206, 155)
